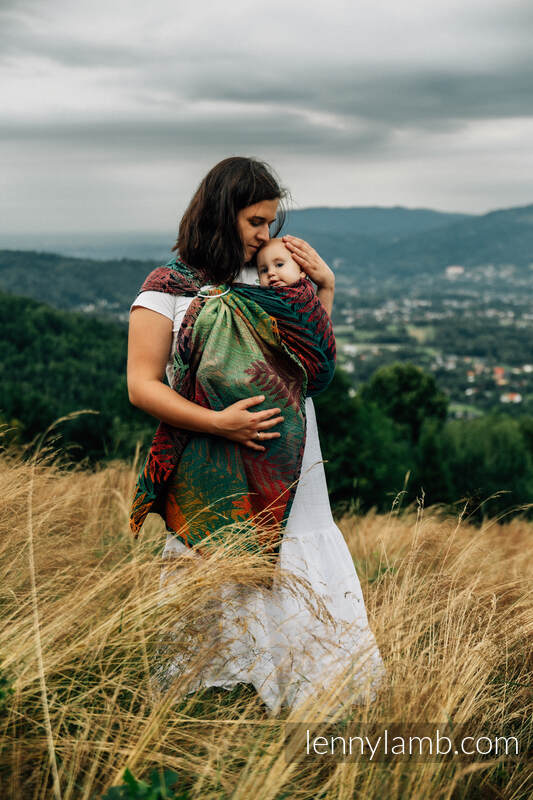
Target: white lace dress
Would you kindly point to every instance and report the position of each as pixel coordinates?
(274, 639)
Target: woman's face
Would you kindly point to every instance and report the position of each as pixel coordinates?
(253, 225)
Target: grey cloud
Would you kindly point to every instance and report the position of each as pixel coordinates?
(512, 17)
(199, 92)
(71, 54)
(370, 108)
(18, 39)
(401, 97)
(399, 94)
(164, 138)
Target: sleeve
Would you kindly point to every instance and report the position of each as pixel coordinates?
(170, 305)
(162, 302)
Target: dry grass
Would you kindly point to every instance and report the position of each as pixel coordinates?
(450, 605)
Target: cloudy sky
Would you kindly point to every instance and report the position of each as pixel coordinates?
(113, 111)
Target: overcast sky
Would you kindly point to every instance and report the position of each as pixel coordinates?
(113, 111)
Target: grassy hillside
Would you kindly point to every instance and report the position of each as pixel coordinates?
(450, 605)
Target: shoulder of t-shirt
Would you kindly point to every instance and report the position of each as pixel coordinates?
(165, 303)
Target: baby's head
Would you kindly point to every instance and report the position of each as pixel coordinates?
(275, 265)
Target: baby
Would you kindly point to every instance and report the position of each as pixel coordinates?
(275, 265)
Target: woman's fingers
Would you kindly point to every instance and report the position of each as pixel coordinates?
(259, 416)
(301, 260)
(263, 426)
(253, 446)
(247, 427)
(299, 248)
(262, 416)
(294, 241)
(254, 442)
(298, 255)
(252, 401)
(303, 253)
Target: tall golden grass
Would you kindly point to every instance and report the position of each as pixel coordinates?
(450, 605)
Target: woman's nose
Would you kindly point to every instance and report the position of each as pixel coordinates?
(263, 233)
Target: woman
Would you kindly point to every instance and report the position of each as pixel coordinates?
(285, 650)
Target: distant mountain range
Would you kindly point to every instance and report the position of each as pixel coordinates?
(385, 224)
(69, 271)
(374, 221)
(404, 242)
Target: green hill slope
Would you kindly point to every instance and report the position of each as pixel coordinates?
(54, 362)
(70, 283)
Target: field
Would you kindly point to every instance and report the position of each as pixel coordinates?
(450, 605)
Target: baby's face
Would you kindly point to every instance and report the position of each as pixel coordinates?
(275, 265)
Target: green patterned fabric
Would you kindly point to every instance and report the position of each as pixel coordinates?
(239, 342)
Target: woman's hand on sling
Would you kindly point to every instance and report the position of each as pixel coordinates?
(240, 425)
(149, 342)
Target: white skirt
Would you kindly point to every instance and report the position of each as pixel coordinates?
(276, 640)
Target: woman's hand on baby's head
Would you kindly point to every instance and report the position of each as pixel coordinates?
(308, 259)
(240, 425)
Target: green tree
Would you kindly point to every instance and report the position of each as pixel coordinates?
(406, 394)
(54, 363)
(490, 455)
(432, 468)
(367, 456)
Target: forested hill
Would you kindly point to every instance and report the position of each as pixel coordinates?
(73, 283)
(389, 242)
(55, 362)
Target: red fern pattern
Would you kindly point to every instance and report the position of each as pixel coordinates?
(269, 382)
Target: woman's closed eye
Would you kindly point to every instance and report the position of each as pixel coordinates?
(257, 222)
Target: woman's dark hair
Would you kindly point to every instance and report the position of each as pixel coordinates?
(208, 237)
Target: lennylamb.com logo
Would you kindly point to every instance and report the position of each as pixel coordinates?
(395, 741)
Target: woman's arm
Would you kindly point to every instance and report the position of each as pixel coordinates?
(326, 294)
(314, 266)
(149, 343)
